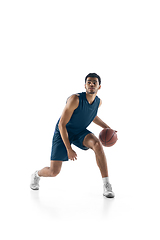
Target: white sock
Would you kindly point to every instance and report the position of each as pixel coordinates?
(37, 174)
(105, 180)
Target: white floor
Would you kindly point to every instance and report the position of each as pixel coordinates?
(72, 206)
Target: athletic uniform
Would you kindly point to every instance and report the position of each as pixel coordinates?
(82, 116)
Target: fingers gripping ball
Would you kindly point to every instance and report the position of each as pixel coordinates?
(108, 137)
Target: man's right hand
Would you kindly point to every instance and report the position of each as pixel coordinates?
(72, 155)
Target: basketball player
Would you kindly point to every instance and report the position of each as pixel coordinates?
(80, 110)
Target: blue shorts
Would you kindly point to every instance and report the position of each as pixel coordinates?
(59, 151)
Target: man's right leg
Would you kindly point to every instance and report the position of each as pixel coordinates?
(58, 152)
(52, 171)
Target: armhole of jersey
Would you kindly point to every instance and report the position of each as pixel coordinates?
(99, 103)
(72, 95)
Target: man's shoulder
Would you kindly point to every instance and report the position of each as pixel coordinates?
(73, 100)
(73, 96)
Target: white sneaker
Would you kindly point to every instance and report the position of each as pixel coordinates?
(107, 191)
(34, 181)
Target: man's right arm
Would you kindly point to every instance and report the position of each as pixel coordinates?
(71, 105)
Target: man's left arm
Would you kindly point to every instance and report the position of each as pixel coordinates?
(98, 121)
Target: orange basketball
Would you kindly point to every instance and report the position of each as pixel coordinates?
(108, 137)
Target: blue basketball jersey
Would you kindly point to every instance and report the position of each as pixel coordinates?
(83, 115)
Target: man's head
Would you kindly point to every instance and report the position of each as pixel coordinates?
(92, 83)
(93, 75)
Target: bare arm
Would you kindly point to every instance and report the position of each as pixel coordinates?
(71, 105)
(98, 121)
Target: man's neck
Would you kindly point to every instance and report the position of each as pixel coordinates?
(90, 97)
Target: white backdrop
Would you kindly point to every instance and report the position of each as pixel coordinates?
(47, 49)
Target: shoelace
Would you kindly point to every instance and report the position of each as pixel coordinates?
(108, 186)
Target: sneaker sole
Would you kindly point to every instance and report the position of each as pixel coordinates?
(34, 188)
(109, 196)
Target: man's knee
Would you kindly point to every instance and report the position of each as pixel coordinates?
(55, 171)
(97, 146)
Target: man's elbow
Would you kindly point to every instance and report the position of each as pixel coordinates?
(61, 124)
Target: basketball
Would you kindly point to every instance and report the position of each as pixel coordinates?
(108, 137)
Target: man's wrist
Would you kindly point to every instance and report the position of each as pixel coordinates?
(69, 148)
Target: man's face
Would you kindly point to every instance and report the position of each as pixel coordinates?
(92, 85)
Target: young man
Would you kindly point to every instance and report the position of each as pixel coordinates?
(80, 110)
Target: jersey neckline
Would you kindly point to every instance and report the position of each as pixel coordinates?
(87, 100)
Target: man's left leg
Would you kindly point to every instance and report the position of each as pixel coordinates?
(91, 141)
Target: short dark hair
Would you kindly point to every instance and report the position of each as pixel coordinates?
(93, 75)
